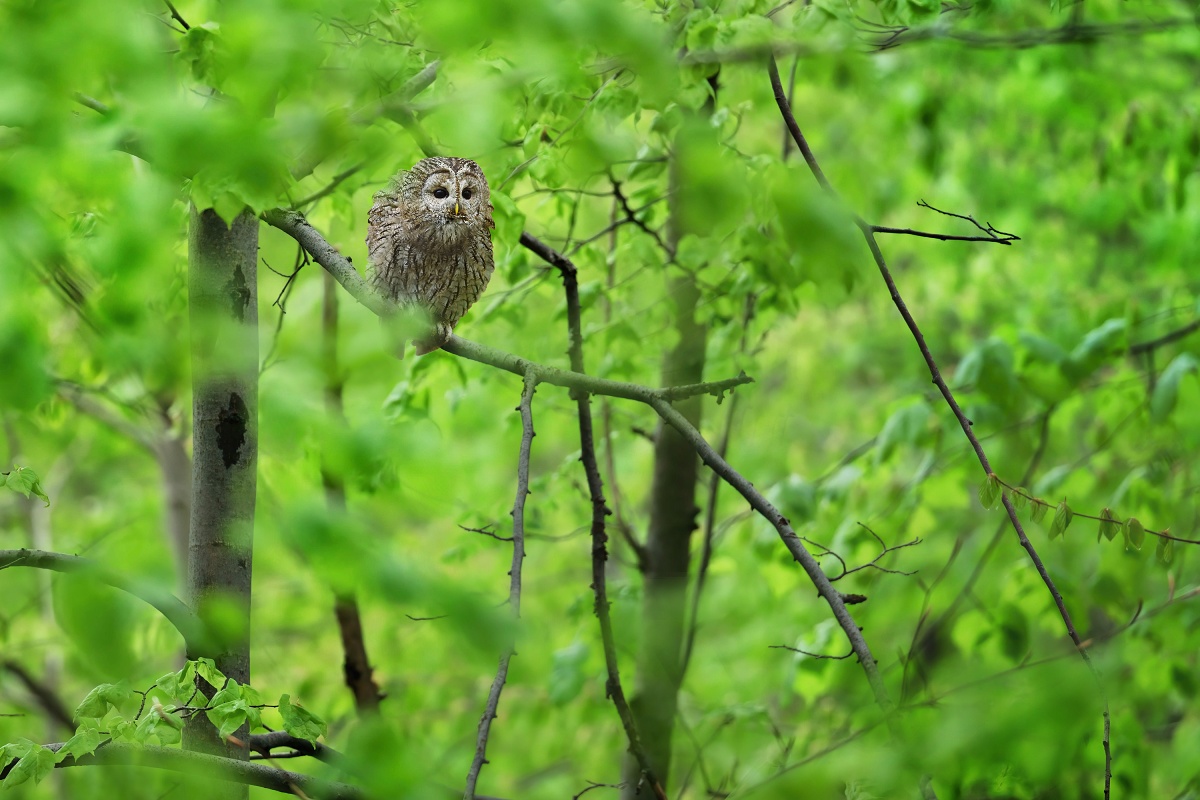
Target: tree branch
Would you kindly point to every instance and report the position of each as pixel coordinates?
(296, 226)
(790, 540)
(196, 636)
(514, 586)
(869, 235)
(218, 767)
(264, 743)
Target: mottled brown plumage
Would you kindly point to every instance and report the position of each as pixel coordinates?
(429, 241)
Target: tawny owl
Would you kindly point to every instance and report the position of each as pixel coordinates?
(429, 241)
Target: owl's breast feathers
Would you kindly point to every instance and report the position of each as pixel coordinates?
(442, 264)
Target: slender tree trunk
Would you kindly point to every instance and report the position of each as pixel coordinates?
(672, 520)
(223, 302)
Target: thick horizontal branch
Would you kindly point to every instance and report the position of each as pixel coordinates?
(340, 267)
(209, 767)
(195, 634)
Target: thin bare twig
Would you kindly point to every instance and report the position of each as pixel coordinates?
(514, 586)
(631, 215)
(329, 188)
(594, 785)
(486, 532)
(810, 655)
(176, 15)
(869, 235)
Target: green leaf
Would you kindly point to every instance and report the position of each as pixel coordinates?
(179, 686)
(1062, 519)
(25, 481)
(1037, 511)
(161, 724)
(1108, 525)
(1166, 390)
(1135, 533)
(1019, 497)
(299, 721)
(206, 668)
(98, 700)
(35, 764)
(989, 490)
(86, 739)
(228, 717)
(1165, 552)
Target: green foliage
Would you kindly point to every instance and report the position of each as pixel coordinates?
(114, 117)
(26, 482)
(299, 721)
(34, 762)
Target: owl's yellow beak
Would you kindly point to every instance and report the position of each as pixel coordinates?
(456, 208)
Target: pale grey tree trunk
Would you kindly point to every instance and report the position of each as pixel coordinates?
(223, 314)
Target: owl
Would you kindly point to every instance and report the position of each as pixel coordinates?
(429, 240)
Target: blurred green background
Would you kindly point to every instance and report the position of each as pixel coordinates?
(113, 118)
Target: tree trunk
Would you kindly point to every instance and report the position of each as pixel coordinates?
(223, 303)
(672, 519)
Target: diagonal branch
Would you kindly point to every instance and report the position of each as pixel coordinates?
(869, 235)
(514, 586)
(196, 636)
(790, 540)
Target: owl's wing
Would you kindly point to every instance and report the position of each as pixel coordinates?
(384, 223)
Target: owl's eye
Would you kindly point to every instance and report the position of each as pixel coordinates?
(466, 194)
(441, 192)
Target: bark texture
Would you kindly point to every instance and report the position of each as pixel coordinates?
(223, 305)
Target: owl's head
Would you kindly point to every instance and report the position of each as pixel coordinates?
(452, 191)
